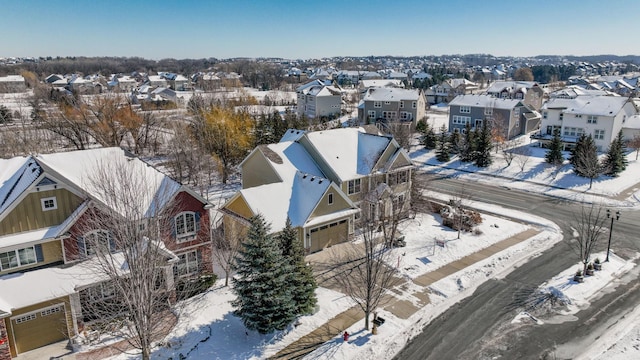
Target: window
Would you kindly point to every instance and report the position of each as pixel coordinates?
(592, 119)
(405, 116)
(414, 105)
(561, 116)
(389, 115)
(572, 131)
(465, 109)
(330, 198)
(353, 186)
(461, 120)
(387, 102)
(403, 176)
(478, 123)
(185, 224)
(578, 115)
(545, 114)
(94, 241)
(401, 104)
(371, 114)
(488, 111)
(516, 113)
(99, 292)
(25, 318)
(50, 311)
(16, 258)
(49, 203)
(187, 264)
(377, 104)
(598, 134)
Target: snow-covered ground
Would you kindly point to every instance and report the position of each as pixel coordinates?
(212, 332)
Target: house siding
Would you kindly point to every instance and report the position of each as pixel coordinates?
(5, 353)
(51, 251)
(256, 171)
(28, 214)
(323, 208)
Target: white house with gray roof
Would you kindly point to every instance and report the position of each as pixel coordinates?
(319, 98)
(602, 117)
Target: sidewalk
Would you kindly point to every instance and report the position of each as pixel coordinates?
(400, 308)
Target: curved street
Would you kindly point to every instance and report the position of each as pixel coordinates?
(479, 327)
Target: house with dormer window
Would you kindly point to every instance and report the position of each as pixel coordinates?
(46, 243)
(319, 181)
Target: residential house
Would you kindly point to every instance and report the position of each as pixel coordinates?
(528, 91)
(45, 203)
(12, 84)
(392, 105)
(379, 83)
(513, 116)
(449, 89)
(319, 98)
(319, 181)
(602, 117)
(122, 83)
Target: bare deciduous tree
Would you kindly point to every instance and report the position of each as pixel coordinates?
(589, 225)
(522, 156)
(123, 242)
(366, 272)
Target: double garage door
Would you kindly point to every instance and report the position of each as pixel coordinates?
(327, 235)
(39, 328)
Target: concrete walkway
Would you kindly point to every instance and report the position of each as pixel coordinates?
(400, 308)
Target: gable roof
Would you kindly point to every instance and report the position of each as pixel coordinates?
(350, 152)
(391, 94)
(591, 105)
(484, 101)
(16, 175)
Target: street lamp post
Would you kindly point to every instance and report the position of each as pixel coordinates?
(610, 216)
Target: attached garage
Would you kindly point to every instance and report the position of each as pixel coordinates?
(39, 328)
(329, 234)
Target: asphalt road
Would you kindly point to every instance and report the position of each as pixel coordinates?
(479, 327)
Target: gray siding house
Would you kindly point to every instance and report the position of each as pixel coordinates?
(392, 105)
(319, 98)
(513, 116)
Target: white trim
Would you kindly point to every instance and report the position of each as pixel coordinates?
(44, 200)
(35, 312)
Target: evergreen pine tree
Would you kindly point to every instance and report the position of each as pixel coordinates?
(584, 158)
(264, 297)
(301, 280)
(467, 153)
(442, 149)
(455, 141)
(422, 126)
(616, 162)
(483, 147)
(554, 156)
(430, 140)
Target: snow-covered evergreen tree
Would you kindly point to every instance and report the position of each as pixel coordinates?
(301, 280)
(429, 140)
(483, 147)
(443, 149)
(264, 298)
(584, 159)
(554, 156)
(616, 162)
(467, 153)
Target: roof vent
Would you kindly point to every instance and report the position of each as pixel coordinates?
(313, 178)
(304, 176)
(320, 182)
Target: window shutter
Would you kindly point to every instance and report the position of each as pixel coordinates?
(112, 244)
(39, 254)
(81, 248)
(199, 259)
(173, 227)
(197, 216)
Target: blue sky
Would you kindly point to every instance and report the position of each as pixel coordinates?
(312, 29)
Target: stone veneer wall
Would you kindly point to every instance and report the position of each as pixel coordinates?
(5, 354)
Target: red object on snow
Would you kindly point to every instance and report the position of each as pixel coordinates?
(345, 336)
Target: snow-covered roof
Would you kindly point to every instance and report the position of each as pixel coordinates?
(382, 83)
(16, 175)
(484, 101)
(12, 78)
(350, 152)
(589, 105)
(391, 94)
(78, 167)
